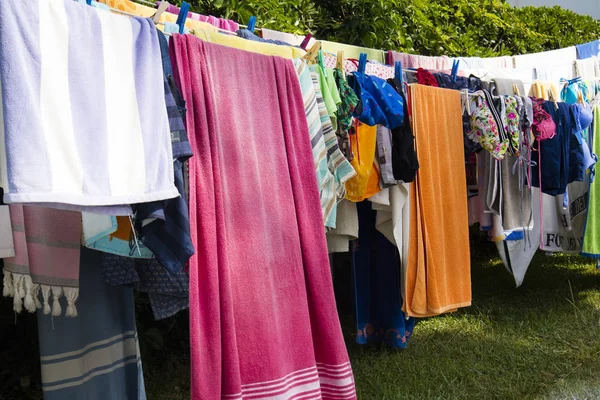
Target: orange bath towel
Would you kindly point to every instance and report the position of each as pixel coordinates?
(438, 274)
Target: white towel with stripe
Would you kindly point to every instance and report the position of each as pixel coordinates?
(85, 120)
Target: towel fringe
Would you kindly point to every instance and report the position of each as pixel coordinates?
(8, 289)
(71, 294)
(46, 297)
(57, 291)
(19, 292)
(26, 294)
(28, 285)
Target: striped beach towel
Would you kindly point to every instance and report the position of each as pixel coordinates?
(95, 356)
(85, 120)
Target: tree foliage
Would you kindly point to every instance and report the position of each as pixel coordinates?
(443, 27)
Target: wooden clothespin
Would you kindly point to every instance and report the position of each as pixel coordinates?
(162, 7)
(182, 17)
(552, 98)
(516, 89)
(340, 60)
(252, 23)
(312, 53)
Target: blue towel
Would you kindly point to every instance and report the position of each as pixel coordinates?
(377, 282)
(96, 355)
(588, 50)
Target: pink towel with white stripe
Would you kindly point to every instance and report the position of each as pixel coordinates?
(263, 318)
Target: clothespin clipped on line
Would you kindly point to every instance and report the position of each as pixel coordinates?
(88, 2)
(362, 62)
(305, 41)
(454, 70)
(515, 89)
(340, 60)
(398, 71)
(252, 23)
(162, 7)
(320, 59)
(551, 97)
(183, 13)
(312, 53)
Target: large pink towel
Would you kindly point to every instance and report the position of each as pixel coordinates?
(263, 319)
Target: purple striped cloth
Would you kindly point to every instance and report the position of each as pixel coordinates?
(84, 110)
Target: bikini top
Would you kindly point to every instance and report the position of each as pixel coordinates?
(583, 116)
(543, 126)
(379, 102)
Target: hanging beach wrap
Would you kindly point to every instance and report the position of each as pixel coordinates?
(46, 261)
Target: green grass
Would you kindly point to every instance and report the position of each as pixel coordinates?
(540, 341)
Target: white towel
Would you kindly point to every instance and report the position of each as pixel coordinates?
(84, 111)
(588, 68)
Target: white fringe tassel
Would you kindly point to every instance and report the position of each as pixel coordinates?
(46, 297)
(57, 291)
(8, 289)
(26, 294)
(71, 295)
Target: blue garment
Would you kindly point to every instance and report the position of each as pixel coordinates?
(168, 233)
(472, 83)
(94, 356)
(168, 292)
(379, 104)
(588, 50)
(556, 152)
(377, 280)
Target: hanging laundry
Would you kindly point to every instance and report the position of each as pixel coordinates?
(363, 143)
(106, 145)
(221, 23)
(591, 241)
(485, 62)
(96, 355)
(438, 270)
(587, 50)
(7, 247)
(472, 83)
(588, 68)
(267, 49)
(164, 226)
(46, 260)
(284, 273)
(416, 61)
(352, 51)
(351, 65)
(546, 58)
(167, 291)
(346, 228)
(246, 34)
(348, 104)
(377, 283)
(325, 178)
(293, 40)
(165, 18)
(331, 96)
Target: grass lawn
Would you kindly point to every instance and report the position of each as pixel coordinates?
(541, 341)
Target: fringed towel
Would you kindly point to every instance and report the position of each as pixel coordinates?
(263, 319)
(95, 356)
(90, 126)
(439, 267)
(46, 261)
